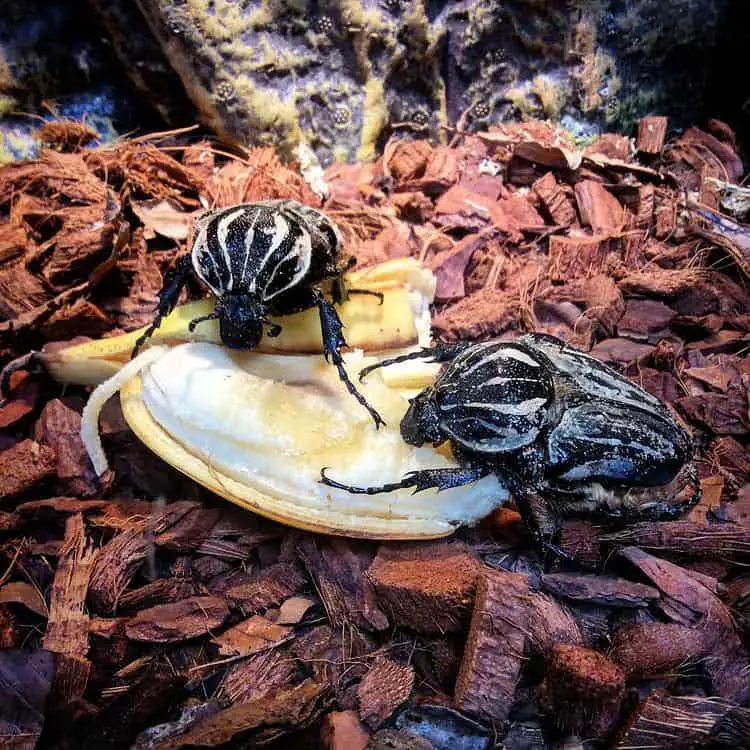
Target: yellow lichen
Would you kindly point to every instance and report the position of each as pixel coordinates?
(374, 119)
(552, 95)
(269, 118)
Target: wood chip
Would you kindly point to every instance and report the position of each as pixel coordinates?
(342, 730)
(582, 690)
(268, 588)
(178, 621)
(491, 665)
(605, 591)
(557, 201)
(427, 587)
(251, 636)
(338, 567)
(599, 209)
(383, 689)
(653, 649)
(651, 134)
(24, 466)
(68, 625)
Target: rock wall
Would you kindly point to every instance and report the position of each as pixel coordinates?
(344, 74)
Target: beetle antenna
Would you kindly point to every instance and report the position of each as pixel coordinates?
(438, 353)
(193, 323)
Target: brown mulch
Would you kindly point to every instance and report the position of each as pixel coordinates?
(148, 613)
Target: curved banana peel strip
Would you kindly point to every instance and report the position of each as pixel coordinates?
(401, 321)
(222, 418)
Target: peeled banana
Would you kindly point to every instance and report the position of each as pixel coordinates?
(257, 427)
(402, 320)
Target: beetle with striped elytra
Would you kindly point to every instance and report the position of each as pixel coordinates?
(263, 259)
(568, 435)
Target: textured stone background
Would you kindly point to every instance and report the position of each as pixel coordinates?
(343, 75)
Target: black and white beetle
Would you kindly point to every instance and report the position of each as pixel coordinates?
(567, 434)
(260, 259)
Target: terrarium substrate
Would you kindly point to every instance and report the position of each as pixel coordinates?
(145, 612)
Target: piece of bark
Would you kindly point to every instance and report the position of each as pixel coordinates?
(24, 466)
(450, 266)
(342, 730)
(20, 592)
(605, 591)
(579, 538)
(666, 722)
(258, 676)
(189, 532)
(645, 320)
(484, 314)
(20, 292)
(338, 567)
(26, 679)
(557, 200)
(651, 134)
(59, 427)
(132, 711)
(267, 588)
(685, 599)
(406, 160)
(21, 401)
(383, 689)
(260, 722)
(577, 255)
(115, 566)
(80, 318)
(428, 587)
(621, 351)
(294, 609)
(68, 624)
(251, 636)
(548, 623)
(413, 207)
(604, 302)
(722, 413)
(178, 621)
(582, 690)
(653, 649)
(161, 591)
(491, 664)
(726, 541)
(599, 209)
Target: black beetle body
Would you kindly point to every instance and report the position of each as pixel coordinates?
(264, 259)
(565, 432)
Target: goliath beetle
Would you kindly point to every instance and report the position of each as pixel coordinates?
(567, 434)
(265, 259)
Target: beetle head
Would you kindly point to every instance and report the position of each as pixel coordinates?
(421, 423)
(241, 319)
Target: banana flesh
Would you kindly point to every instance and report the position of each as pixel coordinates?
(223, 418)
(401, 321)
(257, 427)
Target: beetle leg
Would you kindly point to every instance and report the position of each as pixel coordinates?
(333, 341)
(540, 522)
(440, 479)
(168, 296)
(438, 353)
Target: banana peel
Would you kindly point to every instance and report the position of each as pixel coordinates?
(400, 322)
(224, 419)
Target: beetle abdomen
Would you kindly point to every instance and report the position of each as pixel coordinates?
(251, 249)
(602, 441)
(494, 398)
